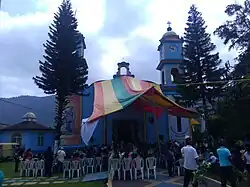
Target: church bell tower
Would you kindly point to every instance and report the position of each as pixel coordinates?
(171, 57)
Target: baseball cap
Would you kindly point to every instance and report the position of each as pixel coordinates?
(187, 137)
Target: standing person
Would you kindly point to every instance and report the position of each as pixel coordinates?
(17, 156)
(237, 160)
(247, 162)
(60, 157)
(48, 162)
(170, 161)
(190, 161)
(28, 154)
(226, 168)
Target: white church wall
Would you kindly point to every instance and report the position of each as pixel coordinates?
(176, 133)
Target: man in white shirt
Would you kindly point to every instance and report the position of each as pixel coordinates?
(190, 161)
(60, 157)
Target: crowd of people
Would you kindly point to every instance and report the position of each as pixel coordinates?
(225, 160)
(56, 161)
(229, 165)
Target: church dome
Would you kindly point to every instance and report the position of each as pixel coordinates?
(170, 34)
(29, 116)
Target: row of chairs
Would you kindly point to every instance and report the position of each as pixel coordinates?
(135, 166)
(36, 168)
(32, 168)
(83, 166)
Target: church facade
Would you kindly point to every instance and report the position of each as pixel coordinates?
(131, 124)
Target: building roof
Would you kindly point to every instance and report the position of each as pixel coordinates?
(126, 90)
(27, 125)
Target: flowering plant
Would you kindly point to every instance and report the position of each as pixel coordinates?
(199, 174)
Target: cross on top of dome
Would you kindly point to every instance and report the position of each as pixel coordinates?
(169, 26)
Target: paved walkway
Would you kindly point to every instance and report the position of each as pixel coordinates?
(39, 180)
(53, 180)
(162, 181)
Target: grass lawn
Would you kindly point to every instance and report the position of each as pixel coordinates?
(8, 169)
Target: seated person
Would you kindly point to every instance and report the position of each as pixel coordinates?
(213, 159)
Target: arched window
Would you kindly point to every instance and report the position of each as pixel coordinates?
(179, 125)
(40, 139)
(123, 71)
(16, 138)
(174, 75)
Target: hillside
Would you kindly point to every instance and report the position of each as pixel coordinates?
(12, 109)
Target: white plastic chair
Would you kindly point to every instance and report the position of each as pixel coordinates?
(89, 163)
(114, 165)
(40, 167)
(179, 167)
(75, 166)
(127, 166)
(66, 168)
(98, 163)
(138, 165)
(32, 168)
(151, 165)
(83, 166)
(24, 168)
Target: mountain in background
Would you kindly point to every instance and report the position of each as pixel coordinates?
(13, 109)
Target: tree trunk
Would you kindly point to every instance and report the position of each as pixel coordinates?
(61, 104)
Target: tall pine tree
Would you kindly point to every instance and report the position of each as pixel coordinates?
(64, 71)
(200, 65)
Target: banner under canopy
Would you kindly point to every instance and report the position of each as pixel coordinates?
(116, 94)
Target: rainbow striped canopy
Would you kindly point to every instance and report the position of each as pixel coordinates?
(116, 94)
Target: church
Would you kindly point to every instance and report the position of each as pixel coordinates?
(132, 110)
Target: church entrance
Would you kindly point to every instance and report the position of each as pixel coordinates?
(126, 131)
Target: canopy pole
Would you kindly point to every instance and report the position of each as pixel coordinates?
(104, 131)
(156, 125)
(145, 126)
(190, 127)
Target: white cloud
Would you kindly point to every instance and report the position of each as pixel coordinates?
(113, 29)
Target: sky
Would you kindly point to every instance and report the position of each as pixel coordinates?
(115, 31)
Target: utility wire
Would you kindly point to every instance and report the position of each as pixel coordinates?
(199, 83)
(214, 82)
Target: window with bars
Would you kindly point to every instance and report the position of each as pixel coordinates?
(40, 140)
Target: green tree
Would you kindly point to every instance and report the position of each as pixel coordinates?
(201, 65)
(64, 71)
(236, 33)
(232, 111)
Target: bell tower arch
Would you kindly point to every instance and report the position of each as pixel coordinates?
(123, 70)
